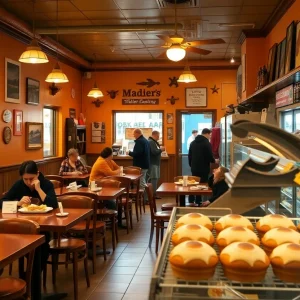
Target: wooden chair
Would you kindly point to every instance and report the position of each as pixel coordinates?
(10, 287)
(125, 203)
(71, 247)
(58, 181)
(157, 218)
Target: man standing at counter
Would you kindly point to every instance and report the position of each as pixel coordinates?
(141, 156)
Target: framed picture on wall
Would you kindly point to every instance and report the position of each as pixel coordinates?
(170, 135)
(282, 58)
(170, 118)
(18, 122)
(12, 81)
(271, 62)
(196, 97)
(290, 48)
(244, 72)
(297, 52)
(32, 91)
(277, 62)
(34, 136)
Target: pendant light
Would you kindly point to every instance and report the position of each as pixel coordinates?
(57, 75)
(187, 76)
(95, 92)
(33, 53)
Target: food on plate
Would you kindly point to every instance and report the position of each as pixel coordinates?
(236, 234)
(195, 218)
(232, 220)
(278, 236)
(193, 260)
(192, 232)
(244, 262)
(33, 207)
(268, 222)
(285, 260)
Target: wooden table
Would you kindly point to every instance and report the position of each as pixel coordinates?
(17, 245)
(76, 177)
(172, 189)
(133, 177)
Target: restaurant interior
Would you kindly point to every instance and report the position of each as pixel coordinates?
(84, 75)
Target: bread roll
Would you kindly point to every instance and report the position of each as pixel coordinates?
(233, 220)
(285, 260)
(192, 260)
(192, 232)
(195, 218)
(244, 262)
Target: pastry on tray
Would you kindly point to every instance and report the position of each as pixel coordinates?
(244, 262)
(192, 232)
(232, 220)
(193, 260)
(278, 236)
(268, 222)
(34, 207)
(195, 218)
(236, 234)
(285, 260)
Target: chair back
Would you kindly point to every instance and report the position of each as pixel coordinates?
(196, 178)
(124, 183)
(151, 199)
(109, 183)
(89, 169)
(57, 181)
(132, 170)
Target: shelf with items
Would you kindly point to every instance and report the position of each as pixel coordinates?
(75, 136)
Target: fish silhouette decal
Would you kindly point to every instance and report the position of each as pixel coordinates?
(149, 83)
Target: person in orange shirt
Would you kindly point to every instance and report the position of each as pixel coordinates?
(104, 166)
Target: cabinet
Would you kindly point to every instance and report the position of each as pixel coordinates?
(75, 136)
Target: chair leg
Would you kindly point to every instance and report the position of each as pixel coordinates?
(143, 201)
(113, 232)
(94, 254)
(67, 260)
(54, 267)
(21, 268)
(104, 247)
(161, 231)
(45, 276)
(10, 269)
(151, 234)
(75, 274)
(157, 237)
(130, 217)
(86, 271)
(116, 231)
(140, 203)
(127, 218)
(137, 208)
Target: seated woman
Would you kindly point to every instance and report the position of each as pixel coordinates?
(218, 185)
(73, 166)
(33, 185)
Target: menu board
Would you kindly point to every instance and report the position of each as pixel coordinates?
(285, 96)
(147, 132)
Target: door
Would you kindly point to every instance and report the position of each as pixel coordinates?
(187, 121)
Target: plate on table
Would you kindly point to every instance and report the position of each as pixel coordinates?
(189, 182)
(24, 210)
(64, 214)
(97, 189)
(74, 187)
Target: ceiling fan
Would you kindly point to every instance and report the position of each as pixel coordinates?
(176, 45)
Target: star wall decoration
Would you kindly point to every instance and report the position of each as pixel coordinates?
(215, 90)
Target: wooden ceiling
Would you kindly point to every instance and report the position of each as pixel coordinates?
(200, 20)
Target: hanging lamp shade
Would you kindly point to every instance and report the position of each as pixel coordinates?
(187, 76)
(33, 54)
(176, 53)
(57, 75)
(95, 92)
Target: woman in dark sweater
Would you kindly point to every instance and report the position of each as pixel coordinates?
(218, 185)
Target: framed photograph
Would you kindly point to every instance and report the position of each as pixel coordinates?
(243, 72)
(170, 135)
(12, 81)
(170, 118)
(297, 51)
(277, 61)
(290, 48)
(32, 91)
(18, 122)
(34, 136)
(196, 97)
(72, 113)
(271, 63)
(282, 58)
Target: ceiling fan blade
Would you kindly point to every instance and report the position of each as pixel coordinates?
(165, 38)
(205, 42)
(162, 55)
(198, 50)
(143, 48)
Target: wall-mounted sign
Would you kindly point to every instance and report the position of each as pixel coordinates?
(140, 97)
(141, 101)
(196, 97)
(147, 132)
(285, 96)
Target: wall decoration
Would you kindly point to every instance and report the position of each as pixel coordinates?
(7, 116)
(239, 88)
(98, 132)
(32, 91)
(34, 136)
(271, 63)
(149, 83)
(173, 81)
(112, 94)
(244, 72)
(170, 118)
(53, 89)
(290, 48)
(6, 135)
(170, 135)
(97, 102)
(282, 58)
(72, 113)
(297, 52)
(12, 81)
(18, 122)
(215, 89)
(140, 101)
(172, 100)
(277, 62)
(196, 97)
(73, 93)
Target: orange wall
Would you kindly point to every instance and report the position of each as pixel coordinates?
(127, 79)
(15, 152)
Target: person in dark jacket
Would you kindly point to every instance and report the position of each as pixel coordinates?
(200, 157)
(155, 155)
(218, 185)
(141, 156)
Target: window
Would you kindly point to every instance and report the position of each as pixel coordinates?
(123, 120)
(49, 120)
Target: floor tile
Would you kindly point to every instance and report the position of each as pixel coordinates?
(123, 270)
(117, 278)
(131, 255)
(135, 250)
(141, 279)
(106, 296)
(128, 263)
(135, 297)
(116, 287)
(144, 271)
(138, 288)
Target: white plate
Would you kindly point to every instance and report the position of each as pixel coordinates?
(24, 210)
(62, 214)
(181, 183)
(77, 187)
(97, 189)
